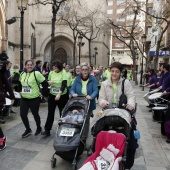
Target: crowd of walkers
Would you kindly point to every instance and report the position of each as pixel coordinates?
(54, 84)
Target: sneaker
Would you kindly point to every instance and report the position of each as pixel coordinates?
(38, 131)
(26, 133)
(46, 133)
(2, 121)
(3, 143)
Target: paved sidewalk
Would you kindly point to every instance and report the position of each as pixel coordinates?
(35, 152)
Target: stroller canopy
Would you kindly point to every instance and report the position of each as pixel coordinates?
(118, 112)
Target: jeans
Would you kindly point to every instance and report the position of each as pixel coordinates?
(52, 103)
(33, 105)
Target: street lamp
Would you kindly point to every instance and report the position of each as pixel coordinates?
(95, 49)
(143, 38)
(80, 44)
(22, 6)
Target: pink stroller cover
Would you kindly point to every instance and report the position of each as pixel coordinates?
(104, 138)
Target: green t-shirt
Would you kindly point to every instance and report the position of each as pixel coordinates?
(13, 72)
(72, 80)
(68, 74)
(108, 74)
(12, 75)
(57, 79)
(84, 87)
(30, 88)
(114, 93)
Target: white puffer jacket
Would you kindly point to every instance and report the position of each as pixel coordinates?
(106, 92)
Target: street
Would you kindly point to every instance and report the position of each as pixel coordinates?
(35, 152)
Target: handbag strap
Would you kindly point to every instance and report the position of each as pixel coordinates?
(123, 86)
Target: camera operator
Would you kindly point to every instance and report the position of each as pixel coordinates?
(4, 88)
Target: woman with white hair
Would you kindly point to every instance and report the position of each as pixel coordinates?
(85, 84)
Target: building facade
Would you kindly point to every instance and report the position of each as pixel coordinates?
(37, 36)
(3, 31)
(125, 15)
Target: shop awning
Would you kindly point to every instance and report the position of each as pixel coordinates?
(161, 53)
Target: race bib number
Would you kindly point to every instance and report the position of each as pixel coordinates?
(55, 89)
(26, 89)
(67, 131)
(102, 165)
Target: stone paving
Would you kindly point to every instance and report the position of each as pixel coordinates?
(35, 152)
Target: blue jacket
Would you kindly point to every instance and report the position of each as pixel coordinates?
(92, 89)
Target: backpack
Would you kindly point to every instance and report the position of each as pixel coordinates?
(15, 79)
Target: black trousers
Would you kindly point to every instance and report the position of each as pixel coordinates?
(86, 126)
(52, 103)
(33, 105)
(1, 133)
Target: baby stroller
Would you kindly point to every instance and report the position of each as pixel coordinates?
(67, 143)
(121, 121)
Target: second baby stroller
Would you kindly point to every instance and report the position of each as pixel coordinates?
(109, 149)
(121, 121)
(67, 143)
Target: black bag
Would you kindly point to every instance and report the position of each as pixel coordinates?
(15, 79)
(122, 98)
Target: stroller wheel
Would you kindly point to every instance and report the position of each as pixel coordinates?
(74, 167)
(53, 162)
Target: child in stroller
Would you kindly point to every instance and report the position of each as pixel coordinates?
(74, 116)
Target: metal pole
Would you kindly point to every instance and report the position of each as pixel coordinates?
(79, 51)
(21, 38)
(142, 67)
(95, 59)
(54, 11)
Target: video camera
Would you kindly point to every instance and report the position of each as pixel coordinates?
(3, 60)
(3, 57)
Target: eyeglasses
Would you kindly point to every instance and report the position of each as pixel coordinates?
(85, 69)
(78, 68)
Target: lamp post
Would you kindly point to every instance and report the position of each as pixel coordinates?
(95, 49)
(80, 44)
(22, 6)
(143, 38)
